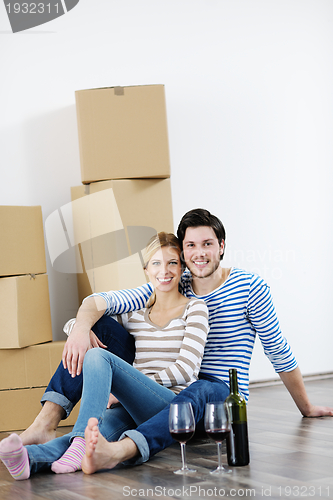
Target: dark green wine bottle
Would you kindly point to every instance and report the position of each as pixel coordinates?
(237, 441)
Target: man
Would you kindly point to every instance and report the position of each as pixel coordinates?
(240, 306)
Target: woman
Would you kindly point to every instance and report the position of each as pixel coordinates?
(170, 335)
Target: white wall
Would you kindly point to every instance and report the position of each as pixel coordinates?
(249, 101)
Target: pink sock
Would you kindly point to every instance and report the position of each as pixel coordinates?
(15, 457)
(72, 458)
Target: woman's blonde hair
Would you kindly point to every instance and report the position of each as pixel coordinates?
(160, 240)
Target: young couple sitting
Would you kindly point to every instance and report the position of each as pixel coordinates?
(179, 355)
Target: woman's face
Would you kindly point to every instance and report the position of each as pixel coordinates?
(164, 269)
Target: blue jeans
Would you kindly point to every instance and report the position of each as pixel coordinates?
(104, 372)
(153, 435)
(65, 390)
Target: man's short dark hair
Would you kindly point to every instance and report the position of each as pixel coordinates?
(201, 217)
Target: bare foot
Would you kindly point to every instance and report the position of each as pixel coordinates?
(35, 434)
(100, 454)
(44, 427)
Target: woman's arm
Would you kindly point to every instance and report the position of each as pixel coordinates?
(190, 356)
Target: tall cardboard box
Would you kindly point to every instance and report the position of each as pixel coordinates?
(107, 226)
(122, 133)
(25, 317)
(22, 249)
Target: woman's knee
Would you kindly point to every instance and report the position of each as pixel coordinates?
(92, 356)
(97, 354)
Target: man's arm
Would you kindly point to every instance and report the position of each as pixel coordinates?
(263, 316)
(293, 381)
(78, 343)
(92, 309)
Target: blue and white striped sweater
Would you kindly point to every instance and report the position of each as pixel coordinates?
(239, 309)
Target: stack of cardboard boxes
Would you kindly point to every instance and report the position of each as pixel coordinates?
(126, 194)
(28, 358)
(124, 199)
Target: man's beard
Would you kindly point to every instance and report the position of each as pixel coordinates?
(206, 275)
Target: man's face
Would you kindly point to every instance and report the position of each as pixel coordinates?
(202, 251)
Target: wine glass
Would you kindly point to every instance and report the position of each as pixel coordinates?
(217, 427)
(182, 427)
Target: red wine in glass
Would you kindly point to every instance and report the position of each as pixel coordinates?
(218, 435)
(182, 435)
(217, 427)
(182, 427)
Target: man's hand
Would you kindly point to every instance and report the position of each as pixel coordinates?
(81, 338)
(112, 401)
(94, 341)
(78, 343)
(320, 411)
(294, 383)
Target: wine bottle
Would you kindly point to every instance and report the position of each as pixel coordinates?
(237, 441)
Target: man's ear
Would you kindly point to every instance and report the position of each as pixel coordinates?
(222, 247)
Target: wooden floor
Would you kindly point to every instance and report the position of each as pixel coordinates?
(291, 457)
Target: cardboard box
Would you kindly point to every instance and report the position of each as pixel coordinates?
(122, 133)
(19, 408)
(113, 221)
(22, 249)
(25, 317)
(29, 367)
(101, 233)
(24, 376)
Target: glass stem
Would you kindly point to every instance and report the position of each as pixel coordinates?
(219, 447)
(183, 453)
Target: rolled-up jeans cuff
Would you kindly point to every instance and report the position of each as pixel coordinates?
(142, 445)
(58, 399)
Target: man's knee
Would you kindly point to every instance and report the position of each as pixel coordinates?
(195, 392)
(115, 337)
(105, 323)
(204, 391)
